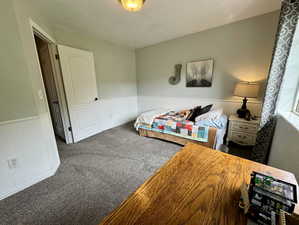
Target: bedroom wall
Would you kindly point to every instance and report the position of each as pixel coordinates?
(18, 104)
(241, 50)
(28, 151)
(284, 152)
(115, 73)
(26, 133)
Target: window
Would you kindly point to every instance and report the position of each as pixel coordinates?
(296, 105)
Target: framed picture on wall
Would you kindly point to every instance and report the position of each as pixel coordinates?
(200, 73)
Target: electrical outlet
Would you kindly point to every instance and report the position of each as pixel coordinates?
(12, 163)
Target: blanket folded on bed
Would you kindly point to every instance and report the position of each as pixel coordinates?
(147, 118)
(175, 124)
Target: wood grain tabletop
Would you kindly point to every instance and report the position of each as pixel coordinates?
(198, 186)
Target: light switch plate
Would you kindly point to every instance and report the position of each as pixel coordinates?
(12, 163)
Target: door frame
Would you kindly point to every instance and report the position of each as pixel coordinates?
(38, 31)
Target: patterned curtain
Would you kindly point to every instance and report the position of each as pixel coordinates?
(284, 38)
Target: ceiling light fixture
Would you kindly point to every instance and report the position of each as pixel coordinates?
(132, 5)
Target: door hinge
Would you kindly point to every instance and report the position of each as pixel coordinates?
(57, 56)
(70, 129)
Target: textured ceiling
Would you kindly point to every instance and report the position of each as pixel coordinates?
(160, 20)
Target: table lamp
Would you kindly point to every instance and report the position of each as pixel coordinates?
(246, 90)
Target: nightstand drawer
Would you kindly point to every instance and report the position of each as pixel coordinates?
(244, 127)
(242, 138)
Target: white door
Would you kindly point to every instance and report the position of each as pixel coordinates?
(79, 77)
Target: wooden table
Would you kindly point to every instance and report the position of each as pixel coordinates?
(198, 186)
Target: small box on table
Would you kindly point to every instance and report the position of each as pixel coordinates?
(267, 198)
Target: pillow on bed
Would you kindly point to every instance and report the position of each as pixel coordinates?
(212, 115)
(194, 113)
(197, 111)
(204, 110)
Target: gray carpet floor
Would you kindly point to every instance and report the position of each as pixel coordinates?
(95, 176)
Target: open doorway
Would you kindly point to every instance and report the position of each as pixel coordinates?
(49, 83)
(69, 79)
(54, 88)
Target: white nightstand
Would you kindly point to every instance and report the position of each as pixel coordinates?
(241, 131)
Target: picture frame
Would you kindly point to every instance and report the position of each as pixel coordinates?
(200, 73)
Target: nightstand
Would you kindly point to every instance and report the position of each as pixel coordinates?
(241, 131)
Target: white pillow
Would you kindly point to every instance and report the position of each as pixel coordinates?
(212, 115)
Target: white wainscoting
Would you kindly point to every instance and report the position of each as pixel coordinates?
(116, 111)
(28, 140)
(31, 142)
(36, 154)
(146, 103)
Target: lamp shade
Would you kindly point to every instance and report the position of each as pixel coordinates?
(249, 90)
(132, 5)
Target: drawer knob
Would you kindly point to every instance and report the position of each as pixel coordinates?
(246, 128)
(241, 136)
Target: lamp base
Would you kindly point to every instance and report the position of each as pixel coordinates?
(243, 112)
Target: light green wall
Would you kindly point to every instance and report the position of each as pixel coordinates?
(115, 65)
(24, 13)
(20, 78)
(241, 50)
(16, 98)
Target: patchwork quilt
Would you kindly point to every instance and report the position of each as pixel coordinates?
(175, 124)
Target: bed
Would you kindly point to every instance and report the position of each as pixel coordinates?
(172, 126)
